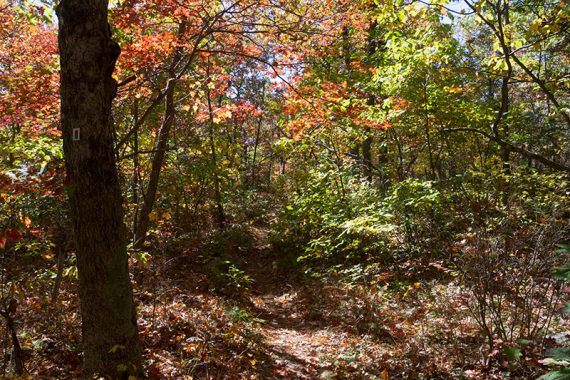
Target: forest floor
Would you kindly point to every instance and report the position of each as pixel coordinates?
(302, 341)
(271, 322)
(242, 314)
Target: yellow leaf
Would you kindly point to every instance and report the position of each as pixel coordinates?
(116, 348)
(48, 255)
(455, 90)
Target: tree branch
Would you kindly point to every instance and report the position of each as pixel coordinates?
(523, 152)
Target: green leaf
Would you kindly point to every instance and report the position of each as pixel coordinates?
(559, 353)
(563, 374)
(563, 273)
(512, 354)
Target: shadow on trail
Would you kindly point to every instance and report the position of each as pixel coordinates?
(302, 341)
(291, 333)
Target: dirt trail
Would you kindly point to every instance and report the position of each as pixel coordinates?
(295, 328)
(300, 346)
(301, 342)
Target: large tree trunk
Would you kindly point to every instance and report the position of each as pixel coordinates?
(88, 55)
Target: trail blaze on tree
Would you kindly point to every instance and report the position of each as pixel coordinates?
(88, 57)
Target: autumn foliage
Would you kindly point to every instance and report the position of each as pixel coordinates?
(313, 189)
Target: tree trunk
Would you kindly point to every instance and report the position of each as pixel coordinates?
(61, 256)
(431, 175)
(135, 188)
(88, 55)
(253, 182)
(157, 162)
(160, 146)
(219, 210)
(17, 353)
(371, 102)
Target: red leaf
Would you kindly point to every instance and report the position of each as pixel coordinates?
(13, 234)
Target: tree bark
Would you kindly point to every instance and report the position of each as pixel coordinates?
(371, 102)
(17, 353)
(219, 206)
(160, 146)
(88, 55)
(157, 162)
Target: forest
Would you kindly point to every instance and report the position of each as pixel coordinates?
(285, 189)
